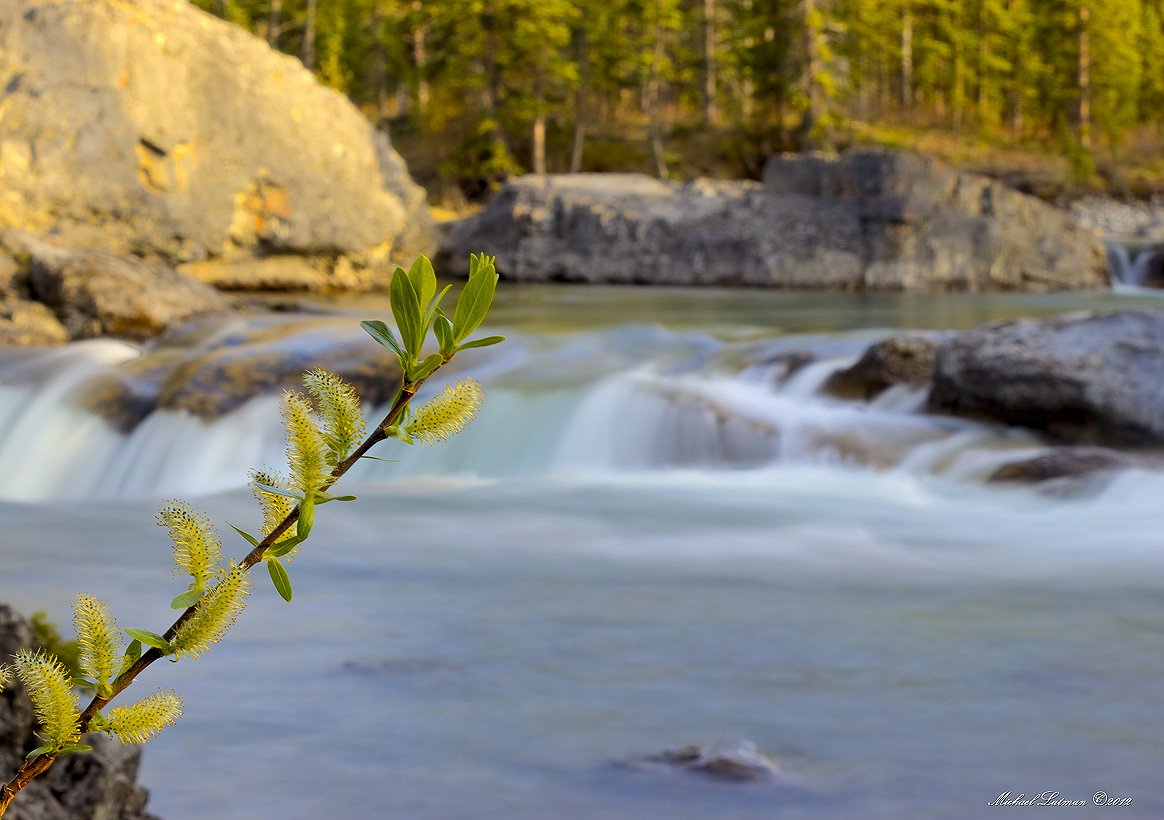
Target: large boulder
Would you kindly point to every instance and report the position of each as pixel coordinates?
(99, 785)
(148, 127)
(871, 220)
(1090, 378)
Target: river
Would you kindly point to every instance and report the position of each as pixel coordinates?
(657, 533)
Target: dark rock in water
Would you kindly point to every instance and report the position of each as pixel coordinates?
(906, 359)
(177, 135)
(736, 760)
(99, 785)
(226, 368)
(1088, 378)
(1064, 462)
(98, 294)
(870, 220)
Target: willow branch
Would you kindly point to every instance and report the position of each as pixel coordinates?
(32, 769)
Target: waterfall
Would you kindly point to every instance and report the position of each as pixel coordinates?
(625, 400)
(1134, 265)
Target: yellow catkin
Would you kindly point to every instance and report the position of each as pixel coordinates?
(448, 413)
(5, 676)
(50, 688)
(197, 548)
(306, 449)
(98, 638)
(216, 612)
(339, 410)
(142, 721)
(275, 507)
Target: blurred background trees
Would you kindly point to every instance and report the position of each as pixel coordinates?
(479, 89)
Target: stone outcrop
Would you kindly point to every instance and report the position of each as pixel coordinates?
(868, 221)
(1082, 378)
(149, 128)
(99, 785)
(1062, 463)
(83, 293)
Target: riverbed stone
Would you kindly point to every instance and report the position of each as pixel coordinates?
(737, 760)
(25, 323)
(179, 136)
(906, 358)
(1084, 378)
(1061, 462)
(867, 221)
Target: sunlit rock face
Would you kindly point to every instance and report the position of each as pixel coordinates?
(151, 128)
(867, 221)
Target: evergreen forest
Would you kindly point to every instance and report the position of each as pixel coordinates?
(476, 90)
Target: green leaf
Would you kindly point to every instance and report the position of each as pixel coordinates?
(306, 519)
(132, 653)
(423, 279)
(426, 367)
(187, 599)
(246, 535)
(74, 748)
(150, 639)
(384, 336)
(485, 341)
(267, 488)
(443, 329)
(434, 308)
(406, 309)
(323, 498)
(475, 299)
(387, 460)
(280, 579)
(38, 751)
(284, 547)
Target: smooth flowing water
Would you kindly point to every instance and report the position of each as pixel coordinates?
(657, 533)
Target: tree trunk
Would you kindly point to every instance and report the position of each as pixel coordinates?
(710, 112)
(651, 104)
(810, 75)
(309, 36)
(538, 158)
(907, 58)
(582, 55)
(274, 22)
(420, 55)
(1084, 75)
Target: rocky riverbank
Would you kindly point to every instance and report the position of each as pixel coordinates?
(867, 221)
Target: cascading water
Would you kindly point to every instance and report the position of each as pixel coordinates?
(1134, 265)
(651, 536)
(631, 399)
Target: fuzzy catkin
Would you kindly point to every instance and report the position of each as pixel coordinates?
(197, 548)
(306, 449)
(216, 612)
(142, 721)
(98, 638)
(447, 414)
(50, 688)
(339, 411)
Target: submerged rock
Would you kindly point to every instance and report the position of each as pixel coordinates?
(177, 135)
(99, 785)
(739, 760)
(1062, 462)
(1087, 378)
(905, 359)
(870, 220)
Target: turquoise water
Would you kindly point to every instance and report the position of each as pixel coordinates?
(651, 537)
